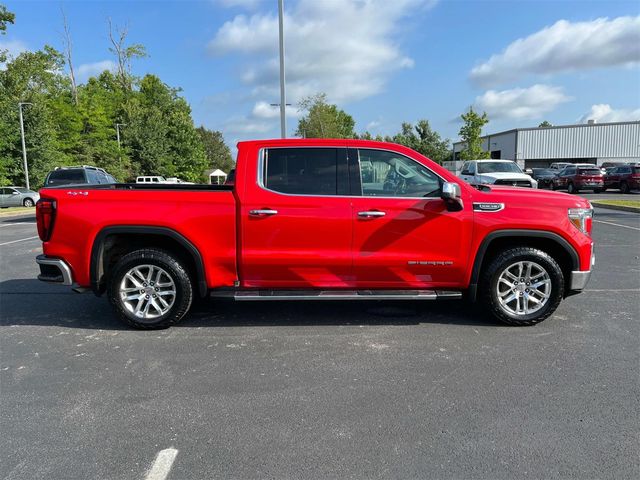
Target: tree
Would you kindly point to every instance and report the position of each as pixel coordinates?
(545, 124)
(124, 53)
(323, 120)
(68, 52)
(217, 152)
(424, 140)
(5, 17)
(471, 133)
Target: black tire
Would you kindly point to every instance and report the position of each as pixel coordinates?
(28, 202)
(491, 274)
(173, 268)
(571, 188)
(624, 187)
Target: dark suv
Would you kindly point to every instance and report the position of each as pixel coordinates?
(82, 175)
(625, 177)
(579, 177)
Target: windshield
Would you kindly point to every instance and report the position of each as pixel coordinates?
(491, 167)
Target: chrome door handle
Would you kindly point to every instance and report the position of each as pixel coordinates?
(259, 213)
(371, 213)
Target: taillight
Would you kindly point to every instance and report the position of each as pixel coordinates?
(45, 215)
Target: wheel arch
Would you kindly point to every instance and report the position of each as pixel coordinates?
(549, 242)
(107, 248)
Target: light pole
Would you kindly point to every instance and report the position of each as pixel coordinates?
(24, 146)
(283, 101)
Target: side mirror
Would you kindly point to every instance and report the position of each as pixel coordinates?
(451, 194)
(16, 193)
(528, 171)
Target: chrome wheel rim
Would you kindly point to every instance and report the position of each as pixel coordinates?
(523, 288)
(147, 291)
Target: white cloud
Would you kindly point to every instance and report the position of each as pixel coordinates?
(565, 46)
(521, 103)
(345, 48)
(86, 70)
(13, 49)
(603, 112)
(266, 110)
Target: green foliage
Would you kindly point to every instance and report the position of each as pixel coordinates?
(324, 120)
(471, 133)
(5, 17)
(217, 152)
(545, 124)
(424, 140)
(157, 133)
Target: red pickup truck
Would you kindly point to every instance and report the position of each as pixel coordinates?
(318, 220)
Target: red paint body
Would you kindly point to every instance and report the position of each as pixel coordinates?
(313, 241)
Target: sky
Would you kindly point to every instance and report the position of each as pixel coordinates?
(383, 61)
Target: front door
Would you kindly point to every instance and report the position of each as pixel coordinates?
(403, 234)
(296, 220)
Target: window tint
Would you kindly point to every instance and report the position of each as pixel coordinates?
(635, 169)
(302, 171)
(390, 174)
(624, 170)
(92, 177)
(66, 177)
(570, 171)
(4, 191)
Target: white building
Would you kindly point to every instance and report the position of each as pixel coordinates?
(585, 143)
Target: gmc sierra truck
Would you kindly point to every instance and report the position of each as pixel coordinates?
(310, 219)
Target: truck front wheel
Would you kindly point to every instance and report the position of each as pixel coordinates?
(522, 286)
(150, 289)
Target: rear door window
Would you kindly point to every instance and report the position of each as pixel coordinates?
(301, 171)
(66, 177)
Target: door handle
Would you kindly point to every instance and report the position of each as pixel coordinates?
(371, 214)
(259, 213)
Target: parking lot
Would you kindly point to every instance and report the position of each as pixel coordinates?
(308, 390)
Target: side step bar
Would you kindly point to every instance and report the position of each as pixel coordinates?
(261, 295)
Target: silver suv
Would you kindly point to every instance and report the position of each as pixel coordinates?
(81, 175)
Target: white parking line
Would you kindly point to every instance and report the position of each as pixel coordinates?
(16, 241)
(162, 464)
(617, 225)
(17, 223)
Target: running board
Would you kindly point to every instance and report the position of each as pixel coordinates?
(261, 295)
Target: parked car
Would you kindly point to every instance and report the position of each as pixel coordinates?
(152, 179)
(18, 197)
(496, 172)
(579, 177)
(626, 178)
(558, 166)
(78, 175)
(544, 177)
(318, 219)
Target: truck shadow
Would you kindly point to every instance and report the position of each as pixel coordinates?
(28, 219)
(30, 302)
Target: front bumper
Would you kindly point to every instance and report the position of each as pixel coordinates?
(579, 278)
(54, 270)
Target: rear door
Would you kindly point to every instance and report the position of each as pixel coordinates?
(403, 234)
(296, 222)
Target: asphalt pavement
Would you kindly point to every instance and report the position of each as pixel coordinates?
(317, 390)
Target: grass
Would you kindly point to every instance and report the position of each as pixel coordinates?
(8, 212)
(623, 203)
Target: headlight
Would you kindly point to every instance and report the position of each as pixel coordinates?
(534, 183)
(581, 218)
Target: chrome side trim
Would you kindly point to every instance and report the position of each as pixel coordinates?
(579, 280)
(260, 295)
(65, 271)
(488, 207)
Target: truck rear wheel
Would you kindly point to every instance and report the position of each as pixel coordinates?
(522, 286)
(150, 289)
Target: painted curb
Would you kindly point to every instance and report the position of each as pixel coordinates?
(622, 208)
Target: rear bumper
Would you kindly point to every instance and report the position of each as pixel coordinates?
(54, 270)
